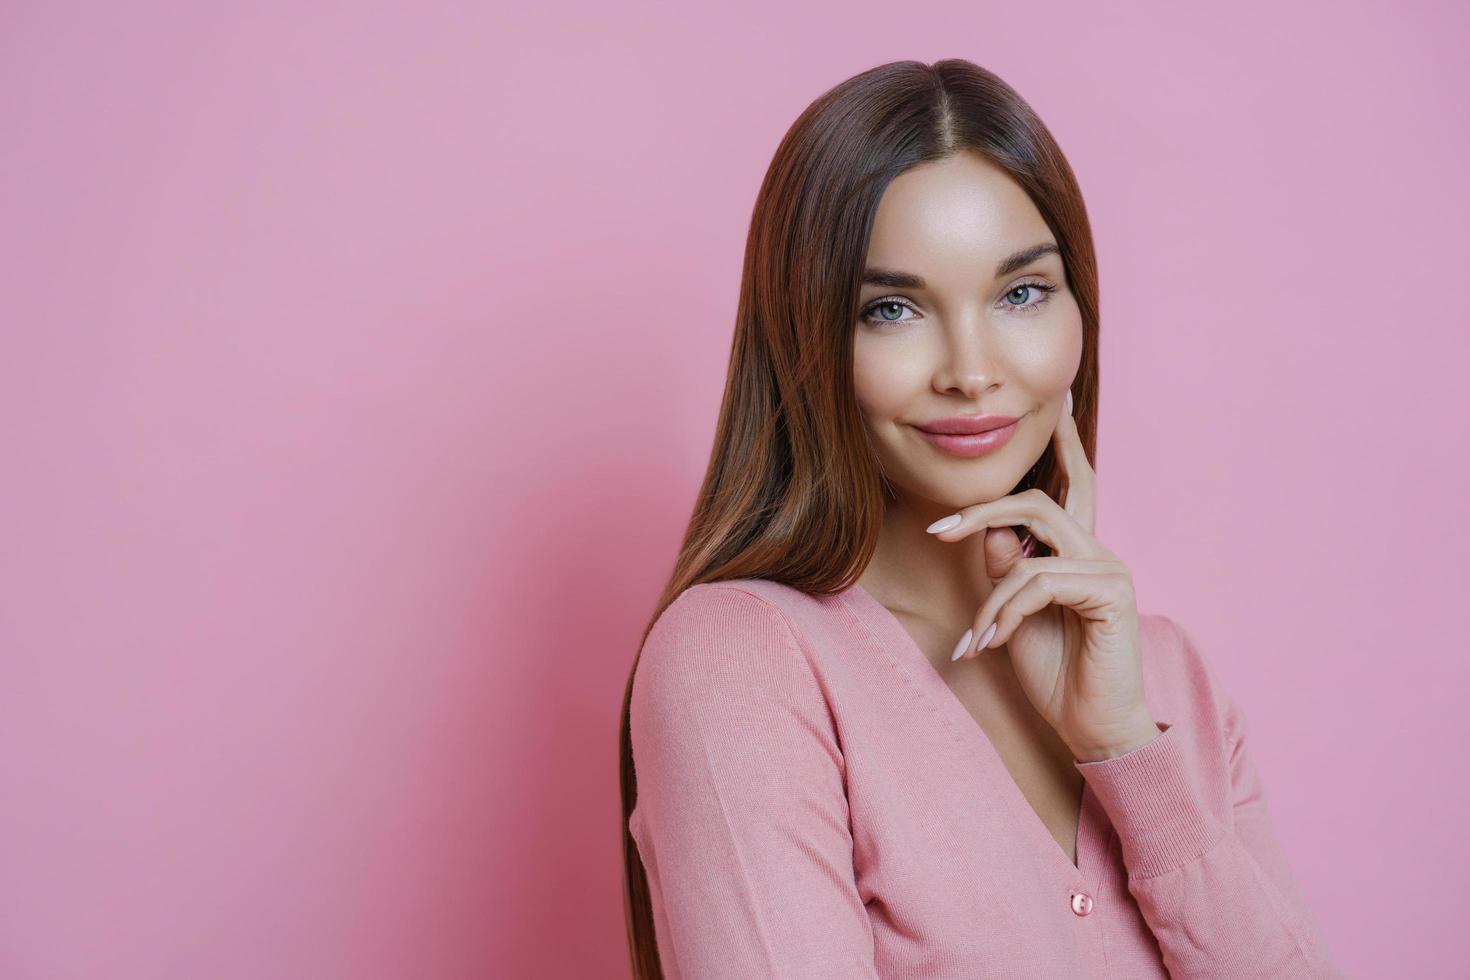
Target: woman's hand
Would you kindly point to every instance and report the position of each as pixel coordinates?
(1070, 620)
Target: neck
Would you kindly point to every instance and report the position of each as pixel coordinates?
(914, 572)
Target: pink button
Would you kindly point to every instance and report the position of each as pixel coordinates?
(1081, 903)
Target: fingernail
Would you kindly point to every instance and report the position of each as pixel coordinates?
(944, 524)
(963, 645)
(986, 636)
(1069, 401)
(1028, 545)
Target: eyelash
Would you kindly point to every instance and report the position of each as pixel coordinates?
(1045, 289)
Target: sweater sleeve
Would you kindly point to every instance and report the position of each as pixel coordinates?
(1203, 861)
(741, 815)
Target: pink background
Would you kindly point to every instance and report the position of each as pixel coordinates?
(361, 361)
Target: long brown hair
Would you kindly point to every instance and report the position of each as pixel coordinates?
(793, 491)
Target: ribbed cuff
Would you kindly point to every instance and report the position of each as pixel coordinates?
(1163, 816)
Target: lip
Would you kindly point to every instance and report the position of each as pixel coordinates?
(967, 425)
(993, 432)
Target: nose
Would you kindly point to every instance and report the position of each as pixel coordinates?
(969, 363)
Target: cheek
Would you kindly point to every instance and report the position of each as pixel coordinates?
(1047, 360)
(883, 379)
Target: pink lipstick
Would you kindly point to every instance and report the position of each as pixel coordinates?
(969, 435)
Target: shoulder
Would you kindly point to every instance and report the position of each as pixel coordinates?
(737, 608)
(732, 610)
(1167, 646)
(1177, 672)
(729, 638)
(777, 596)
(724, 658)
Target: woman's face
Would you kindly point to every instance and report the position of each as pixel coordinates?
(949, 326)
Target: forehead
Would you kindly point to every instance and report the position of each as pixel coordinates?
(956, 216)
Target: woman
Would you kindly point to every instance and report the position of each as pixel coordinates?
(897, 714)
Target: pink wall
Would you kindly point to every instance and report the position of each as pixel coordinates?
(359, 367)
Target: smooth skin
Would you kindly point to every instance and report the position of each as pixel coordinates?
(971, 340)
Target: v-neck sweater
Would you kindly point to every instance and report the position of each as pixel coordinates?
(814, 801)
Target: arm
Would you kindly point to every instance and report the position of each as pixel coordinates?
(741, 816)
(1203, 861)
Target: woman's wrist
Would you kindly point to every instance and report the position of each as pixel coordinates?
(1135, 738)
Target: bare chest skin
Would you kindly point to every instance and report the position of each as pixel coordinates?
(1038, 760)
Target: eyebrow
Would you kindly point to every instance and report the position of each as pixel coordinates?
(893, 279)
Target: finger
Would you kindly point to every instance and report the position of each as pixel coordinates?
(1097, 596)
(1040, 514)
(1021, 573)
(1080, 492)
(1002, 550)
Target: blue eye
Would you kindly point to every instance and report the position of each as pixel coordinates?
(889, 304)
(896, 305)
(1045, 290)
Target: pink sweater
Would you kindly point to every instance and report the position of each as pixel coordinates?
(814, 801)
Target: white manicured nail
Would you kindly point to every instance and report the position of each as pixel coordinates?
(944, 524)
(963, 645)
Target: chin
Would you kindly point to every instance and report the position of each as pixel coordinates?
(953, 494)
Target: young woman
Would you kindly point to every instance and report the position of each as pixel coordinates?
(897, 714)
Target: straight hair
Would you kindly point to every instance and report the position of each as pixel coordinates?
(793, 491)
